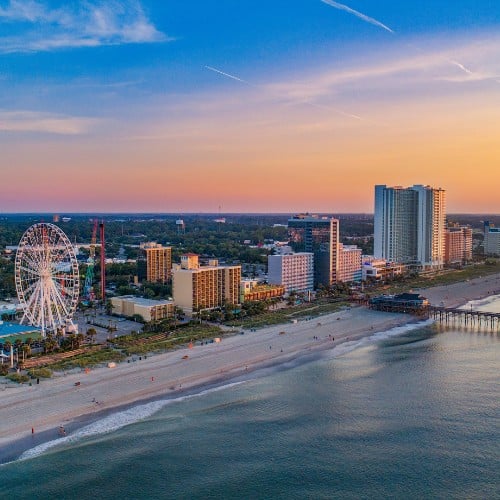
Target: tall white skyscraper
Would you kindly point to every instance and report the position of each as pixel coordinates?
(410, 225)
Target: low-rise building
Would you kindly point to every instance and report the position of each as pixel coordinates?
(150, 310)
(253, 290)
(196, 287)
(380, 269)
(295, 271)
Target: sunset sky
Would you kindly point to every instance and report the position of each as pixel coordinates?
(250, 106)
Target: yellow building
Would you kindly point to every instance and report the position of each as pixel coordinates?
(252, 290)
(196, 287)
(150, 310)
(158, 263)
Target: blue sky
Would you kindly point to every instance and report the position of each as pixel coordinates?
(126, 86)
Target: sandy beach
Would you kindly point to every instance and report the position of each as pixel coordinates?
(59, 401)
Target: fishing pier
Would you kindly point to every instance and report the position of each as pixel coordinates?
(410, 303)
(466, 317)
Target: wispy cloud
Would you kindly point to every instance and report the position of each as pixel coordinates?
(417, 70)
(362, 16)
(84, 24)
(49, 123)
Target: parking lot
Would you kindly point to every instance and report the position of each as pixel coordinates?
(98, 319)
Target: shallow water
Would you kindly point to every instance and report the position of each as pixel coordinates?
(410, 413)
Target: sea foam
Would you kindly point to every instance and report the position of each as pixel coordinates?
(349, 346)
(486, 304)
(140, 412)
(117, 420)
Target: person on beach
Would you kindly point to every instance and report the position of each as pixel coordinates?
(62, 431)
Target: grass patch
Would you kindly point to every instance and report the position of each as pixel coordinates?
(40, 373)
(287, 314)
(144, 343)
(447, 277)
(18, 377)
(89, 359)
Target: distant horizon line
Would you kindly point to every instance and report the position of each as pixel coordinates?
(219, 214)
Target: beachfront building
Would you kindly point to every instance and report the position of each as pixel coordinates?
(349, 264)
(10, 332)
(149, 310)
(294, 271)
(9, 310)
(491, 239)
(253, 290)
(158, 262)
(374, 269)
(458, 244)
(409, 225)
(196, 288)
(319, 236)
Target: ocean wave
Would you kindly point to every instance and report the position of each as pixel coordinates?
(120, 419)
(350, 346)
(487, 304)
(117, 420)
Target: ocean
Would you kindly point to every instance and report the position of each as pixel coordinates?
(408, 413)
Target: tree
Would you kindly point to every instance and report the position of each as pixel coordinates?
(79, 339)
(91, 334)
(138, 318)
(49, 344)
(72, 340)
(18, 343)
(109, 307)
(59, 335)
(26, 350)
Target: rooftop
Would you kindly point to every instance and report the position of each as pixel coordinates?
(8, 329)
(145, 302)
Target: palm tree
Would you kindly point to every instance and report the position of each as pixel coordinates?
(72, 339)
(49, 343)
(18, 343)
(79, 339)
(59, 335)
(26, 348)
(91, 334)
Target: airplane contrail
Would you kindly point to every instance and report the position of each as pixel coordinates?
(227, 74)
(362, 16)
(336, 110)
(461, 66)
(309, 103)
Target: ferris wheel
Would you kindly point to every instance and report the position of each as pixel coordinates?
(47, 278)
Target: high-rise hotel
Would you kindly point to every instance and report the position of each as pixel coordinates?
(319, 235)
(196, 287)
(159, 262)
(410, 225)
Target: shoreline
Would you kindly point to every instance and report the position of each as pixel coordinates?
(168, 376)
